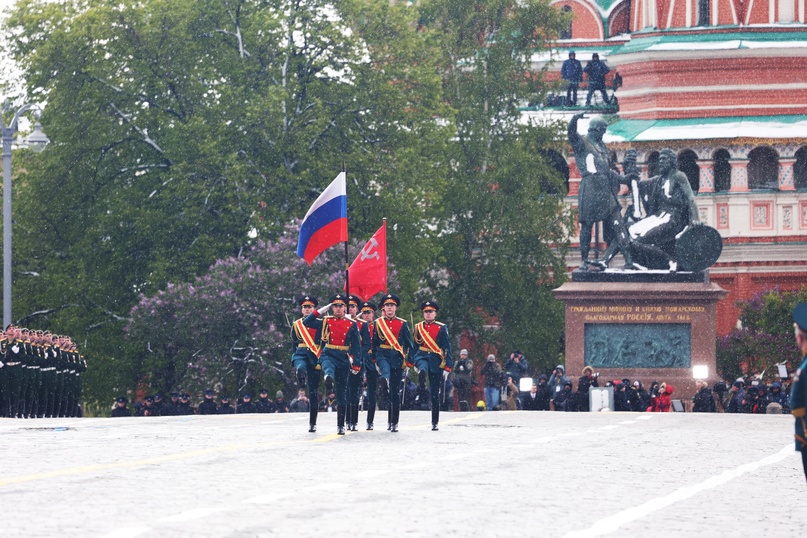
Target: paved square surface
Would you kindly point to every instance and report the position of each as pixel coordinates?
(483, 474)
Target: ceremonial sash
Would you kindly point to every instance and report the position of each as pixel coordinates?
(306, 337)
(386, 332)
(428, 341)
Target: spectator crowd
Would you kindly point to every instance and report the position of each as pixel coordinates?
(554, 392)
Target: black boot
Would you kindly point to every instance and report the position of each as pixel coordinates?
(301, 378)
(312, 419)
(328, 382)
(340, 420)
(435, 419)
(370, 417)
(354, 418)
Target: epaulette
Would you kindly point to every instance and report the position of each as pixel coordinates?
(441, 324)
(401, 319)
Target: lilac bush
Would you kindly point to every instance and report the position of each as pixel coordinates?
(229, 328)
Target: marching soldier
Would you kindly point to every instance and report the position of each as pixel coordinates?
(392, 344)
(339, 337)
(354, 382)
(433, 356)
(305, 357)
(370, 368)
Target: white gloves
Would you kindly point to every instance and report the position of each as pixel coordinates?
(324, 310)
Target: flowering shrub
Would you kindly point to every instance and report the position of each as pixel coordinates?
(229, 329)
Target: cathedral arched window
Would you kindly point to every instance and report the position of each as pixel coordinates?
(763, 168)
(566, 33)
(722, 170)
(800, 168)
(688, 164)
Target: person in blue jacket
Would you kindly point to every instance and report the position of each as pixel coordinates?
(572, 71)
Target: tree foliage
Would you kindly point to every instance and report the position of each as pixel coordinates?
(185, 132)
(504, 222)
(765, 339)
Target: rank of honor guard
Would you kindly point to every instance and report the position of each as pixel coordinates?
(432, 358)
(340, 345)
(392, 345)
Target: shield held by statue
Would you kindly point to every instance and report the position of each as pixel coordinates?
(698, 248)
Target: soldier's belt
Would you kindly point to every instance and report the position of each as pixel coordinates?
(385, 346)
(48, 369)
(798, 412)
(12, 363)
(303, 346)
(428, 350)
(334, 346)
(72, 371)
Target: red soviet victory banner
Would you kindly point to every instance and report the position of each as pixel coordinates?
(368, 272)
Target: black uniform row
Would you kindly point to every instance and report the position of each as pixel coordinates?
(40, 374)
(179, 404)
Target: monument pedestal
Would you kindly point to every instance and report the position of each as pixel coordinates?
(650, 331)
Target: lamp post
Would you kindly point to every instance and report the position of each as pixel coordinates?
(37, 141)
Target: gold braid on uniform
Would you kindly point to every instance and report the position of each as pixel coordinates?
(380, 332)
(418, 337)
(326, 331)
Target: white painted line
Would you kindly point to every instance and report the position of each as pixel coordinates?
(372, 473)
(331, 485)
(190, 515)
(644, 417)
(127, 532)
(421, 464)
(628, 422)
(265, 499)
(456, 456)
(554, 437)
(612, 523)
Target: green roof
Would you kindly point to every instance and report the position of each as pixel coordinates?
(775, 127)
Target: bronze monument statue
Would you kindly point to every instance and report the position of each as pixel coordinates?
(597, 200)
(670, 235)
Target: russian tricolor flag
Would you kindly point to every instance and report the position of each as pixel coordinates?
(325, 224)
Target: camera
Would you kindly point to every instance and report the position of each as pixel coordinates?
(595, 374)
(720, 387)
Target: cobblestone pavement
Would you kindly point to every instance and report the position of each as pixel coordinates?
(482, 474)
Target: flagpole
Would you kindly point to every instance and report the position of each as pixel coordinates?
(347, 262)
(386, 256)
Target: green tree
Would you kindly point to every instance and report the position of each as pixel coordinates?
(765, 338)
(504, 227)
(181, 129)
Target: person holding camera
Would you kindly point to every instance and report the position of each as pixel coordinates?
(516, 366)
(587, 380)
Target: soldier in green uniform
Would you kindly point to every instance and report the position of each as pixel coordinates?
(432, 358)
(354, 382)
(798, 393)
(305, 357)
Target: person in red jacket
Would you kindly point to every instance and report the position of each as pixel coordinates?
(664, 399)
